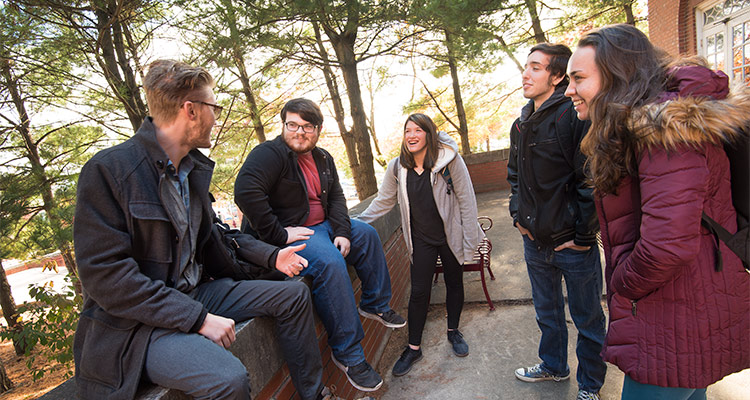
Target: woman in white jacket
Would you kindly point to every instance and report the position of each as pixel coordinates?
(431, 184)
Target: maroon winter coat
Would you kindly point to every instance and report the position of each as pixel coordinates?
(674, 320)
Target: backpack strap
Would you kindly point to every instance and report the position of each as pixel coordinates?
(719, 233)
(446, 173)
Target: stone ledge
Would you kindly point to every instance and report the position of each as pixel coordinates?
(248, 335)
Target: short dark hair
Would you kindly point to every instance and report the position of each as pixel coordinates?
(169, 83)
(559, 54)
(406, 159)
(307, 109)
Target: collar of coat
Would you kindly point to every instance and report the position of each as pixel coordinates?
(692, 120)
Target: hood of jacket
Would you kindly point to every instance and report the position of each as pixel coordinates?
(696, 109)
(447, 152)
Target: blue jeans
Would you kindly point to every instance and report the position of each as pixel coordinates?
(583, 278)
(332, 292)
(632, 390)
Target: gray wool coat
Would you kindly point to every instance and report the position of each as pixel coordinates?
(457, 208)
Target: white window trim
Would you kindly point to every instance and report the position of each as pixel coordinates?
(728, 38)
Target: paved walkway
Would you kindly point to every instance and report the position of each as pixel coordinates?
(501, 340)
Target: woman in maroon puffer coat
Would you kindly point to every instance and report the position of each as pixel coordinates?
(656, 161)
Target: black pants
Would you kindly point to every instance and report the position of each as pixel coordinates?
(422, 269)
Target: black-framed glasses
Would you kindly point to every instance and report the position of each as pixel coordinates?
(217, 108)
(294, 127)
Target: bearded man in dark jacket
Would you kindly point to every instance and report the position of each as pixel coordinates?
(553, 208)
(288, 190)
(157, 305)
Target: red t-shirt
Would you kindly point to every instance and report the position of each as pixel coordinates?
(312, 179)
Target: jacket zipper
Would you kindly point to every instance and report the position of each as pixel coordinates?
(633, 307)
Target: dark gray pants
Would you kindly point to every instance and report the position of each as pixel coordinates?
(204, 370)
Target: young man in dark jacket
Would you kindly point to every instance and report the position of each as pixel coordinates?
(553, 208)
(289, 191)
(144, 249)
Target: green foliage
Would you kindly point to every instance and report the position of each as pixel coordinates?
(50, 322)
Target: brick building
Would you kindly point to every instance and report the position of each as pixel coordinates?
(716, 29)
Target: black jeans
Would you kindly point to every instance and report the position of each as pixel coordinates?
(424, 258)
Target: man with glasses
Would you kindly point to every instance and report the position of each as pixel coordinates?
(289, 191)
(157, 305)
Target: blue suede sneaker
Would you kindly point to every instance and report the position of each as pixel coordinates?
(460, 348)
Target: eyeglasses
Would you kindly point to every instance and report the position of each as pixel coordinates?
(294, 127)
(217, 108)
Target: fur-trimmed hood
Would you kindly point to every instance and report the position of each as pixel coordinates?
(693, 114)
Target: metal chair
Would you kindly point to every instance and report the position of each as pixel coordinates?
(480, 261)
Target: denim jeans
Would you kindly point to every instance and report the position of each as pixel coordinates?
(583, 279)
(332, 292)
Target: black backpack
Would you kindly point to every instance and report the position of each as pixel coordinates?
(235, 254)
(739, 160)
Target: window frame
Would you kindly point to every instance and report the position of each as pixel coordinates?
(724, 26)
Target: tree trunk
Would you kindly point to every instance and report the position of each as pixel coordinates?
(110, 37)
(37, 169)
(463, 125)
(239, 62)
(338, 107)
(9, 310)
(363, 172)
(536, 24)
(628, 7)
(509, 53)
(260, 132)
(5, 382)
(371, 120)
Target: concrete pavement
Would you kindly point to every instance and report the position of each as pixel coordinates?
(500, 341)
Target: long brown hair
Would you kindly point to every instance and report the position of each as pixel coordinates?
(428, 126)
(633, 73)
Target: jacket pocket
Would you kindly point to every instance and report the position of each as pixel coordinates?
(105, 340)
(153, 233)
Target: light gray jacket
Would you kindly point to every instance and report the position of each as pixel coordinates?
(458, 209)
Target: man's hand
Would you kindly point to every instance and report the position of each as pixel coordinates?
(295, 233)
(524, 231)
(571, 245)
(342, 244)
(218, 329)
(288, 262)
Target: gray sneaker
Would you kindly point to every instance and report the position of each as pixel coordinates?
(537, 374)
(586, 395)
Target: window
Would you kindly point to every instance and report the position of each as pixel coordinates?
(724, 32)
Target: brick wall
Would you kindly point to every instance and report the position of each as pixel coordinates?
(671, 25)
(488, 170)
(663, 24)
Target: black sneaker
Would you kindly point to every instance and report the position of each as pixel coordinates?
(408, 358)
(361, 376)
(389, 318)
(460, 348)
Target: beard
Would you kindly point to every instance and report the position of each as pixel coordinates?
(300, 143)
